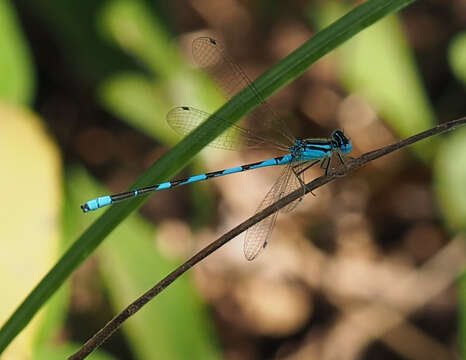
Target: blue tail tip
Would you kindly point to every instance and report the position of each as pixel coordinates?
(95, 204)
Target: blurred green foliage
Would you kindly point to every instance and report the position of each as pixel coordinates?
(457, 56)
(378, 65)
(450, 177)
(17, 78)
(451, 183)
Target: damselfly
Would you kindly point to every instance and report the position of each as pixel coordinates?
(300, 154)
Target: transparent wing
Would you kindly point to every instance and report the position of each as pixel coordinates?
(213, 58)
(185, 119)
(294, 182)
(297, 181)
(258, 235)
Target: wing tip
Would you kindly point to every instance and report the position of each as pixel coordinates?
(252, 251)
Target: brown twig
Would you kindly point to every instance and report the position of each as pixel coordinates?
(96, 340)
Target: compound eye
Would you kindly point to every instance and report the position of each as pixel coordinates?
(338, 134)
(340, 137)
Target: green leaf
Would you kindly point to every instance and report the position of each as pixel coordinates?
(30, 189)
(16, 69)
(457, 56)
(129, 23)
(278, 76)
(74, 25)
(140, 102)
(450, 179)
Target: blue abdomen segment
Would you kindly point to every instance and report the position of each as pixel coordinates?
(231, 171)
(281, 160)
(195, 178)
(97, 203)
(165, 185)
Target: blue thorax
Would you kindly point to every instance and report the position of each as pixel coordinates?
(312, 149)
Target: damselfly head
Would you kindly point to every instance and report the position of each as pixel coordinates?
(341, 141)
